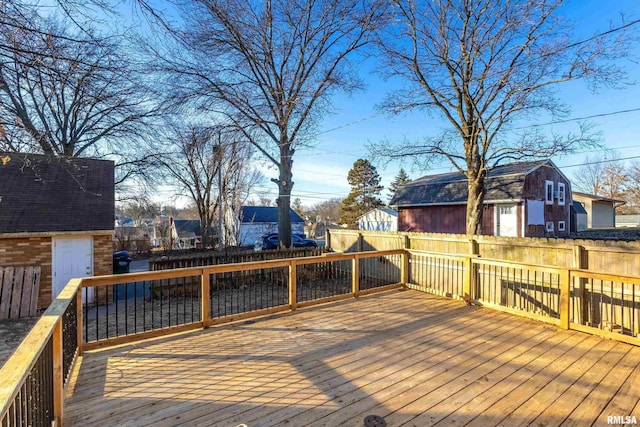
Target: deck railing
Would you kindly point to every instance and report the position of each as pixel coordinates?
(599, 303)
(33, 379)
(108, 310)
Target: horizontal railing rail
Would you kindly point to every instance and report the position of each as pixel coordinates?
(108, 310)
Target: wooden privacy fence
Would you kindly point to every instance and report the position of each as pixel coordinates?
(248, 278)
(217, 258)
(19, 287)
(618, 257)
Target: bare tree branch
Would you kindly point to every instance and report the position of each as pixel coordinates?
(485, 65)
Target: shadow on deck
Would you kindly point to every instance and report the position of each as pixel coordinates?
(412, 358)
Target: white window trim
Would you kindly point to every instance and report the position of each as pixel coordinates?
(547, 185)
(562, 226)
(561, 193)
(549, 227)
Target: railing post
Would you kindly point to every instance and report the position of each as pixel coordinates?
(205, 297)
(580, 262)
(58, 374)
(293, 281)
(404, 273)
(355, 277)
(565, 303)
(468, 284)
(79, 334)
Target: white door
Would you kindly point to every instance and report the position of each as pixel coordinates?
(506, 220)
(72, 258)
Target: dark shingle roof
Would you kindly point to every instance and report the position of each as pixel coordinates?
(265, 214)
(187, 227)
(503, 183)
(48, 194)
(578, 208)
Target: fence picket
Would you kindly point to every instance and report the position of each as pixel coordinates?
(19, 288)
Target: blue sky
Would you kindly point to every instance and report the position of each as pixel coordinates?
(320, 172)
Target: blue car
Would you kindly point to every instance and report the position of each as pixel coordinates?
(270, 241)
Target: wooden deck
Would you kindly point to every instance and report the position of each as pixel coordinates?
(413, 358)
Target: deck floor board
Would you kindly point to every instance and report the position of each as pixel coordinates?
(413, 358)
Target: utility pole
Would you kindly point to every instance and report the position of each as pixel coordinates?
(220, 232)
(217, 160)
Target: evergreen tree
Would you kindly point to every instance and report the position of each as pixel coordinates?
(297, 206)
(401, 179)
(365, 189)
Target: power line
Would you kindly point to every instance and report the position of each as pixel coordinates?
(360, 120)
(595, 162)
(593, 116)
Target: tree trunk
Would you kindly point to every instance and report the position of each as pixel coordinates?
(475, 203)
(476, 174)
(284, 195)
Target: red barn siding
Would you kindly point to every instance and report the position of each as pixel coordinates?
(534, 188)
(444, 219)
(488, 221)
(433, 219)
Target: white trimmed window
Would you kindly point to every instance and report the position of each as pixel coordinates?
(562, 226)
(548, 198)
(549, 227)
(561, 196)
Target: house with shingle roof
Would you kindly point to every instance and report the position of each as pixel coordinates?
(524, 199)
(257, 221)
(186, 234)
(56, 213)
(601, 211)
(380, 219)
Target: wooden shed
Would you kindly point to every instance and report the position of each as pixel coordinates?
(56, 214)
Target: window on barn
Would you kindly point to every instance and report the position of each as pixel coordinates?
(561, 226)
(549, 226)
(549, 192)
(561, 192)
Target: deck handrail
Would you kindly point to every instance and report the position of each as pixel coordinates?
(48, 328)
(18, 367)
(464, 270)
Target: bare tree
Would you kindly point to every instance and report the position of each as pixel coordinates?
(589, 178)
(271, 67)
(633, 189)
(71, 93)
(204, 158)
(614, 180)
(607, 178)
(487, 67)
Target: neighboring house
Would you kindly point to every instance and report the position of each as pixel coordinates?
(601, 211)
(256, 221)
(526, 199)
(56, 213)
(381, 219)
(124, 221)
(186, 234)
(162, 232)
(627, 220)
(133, 239)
